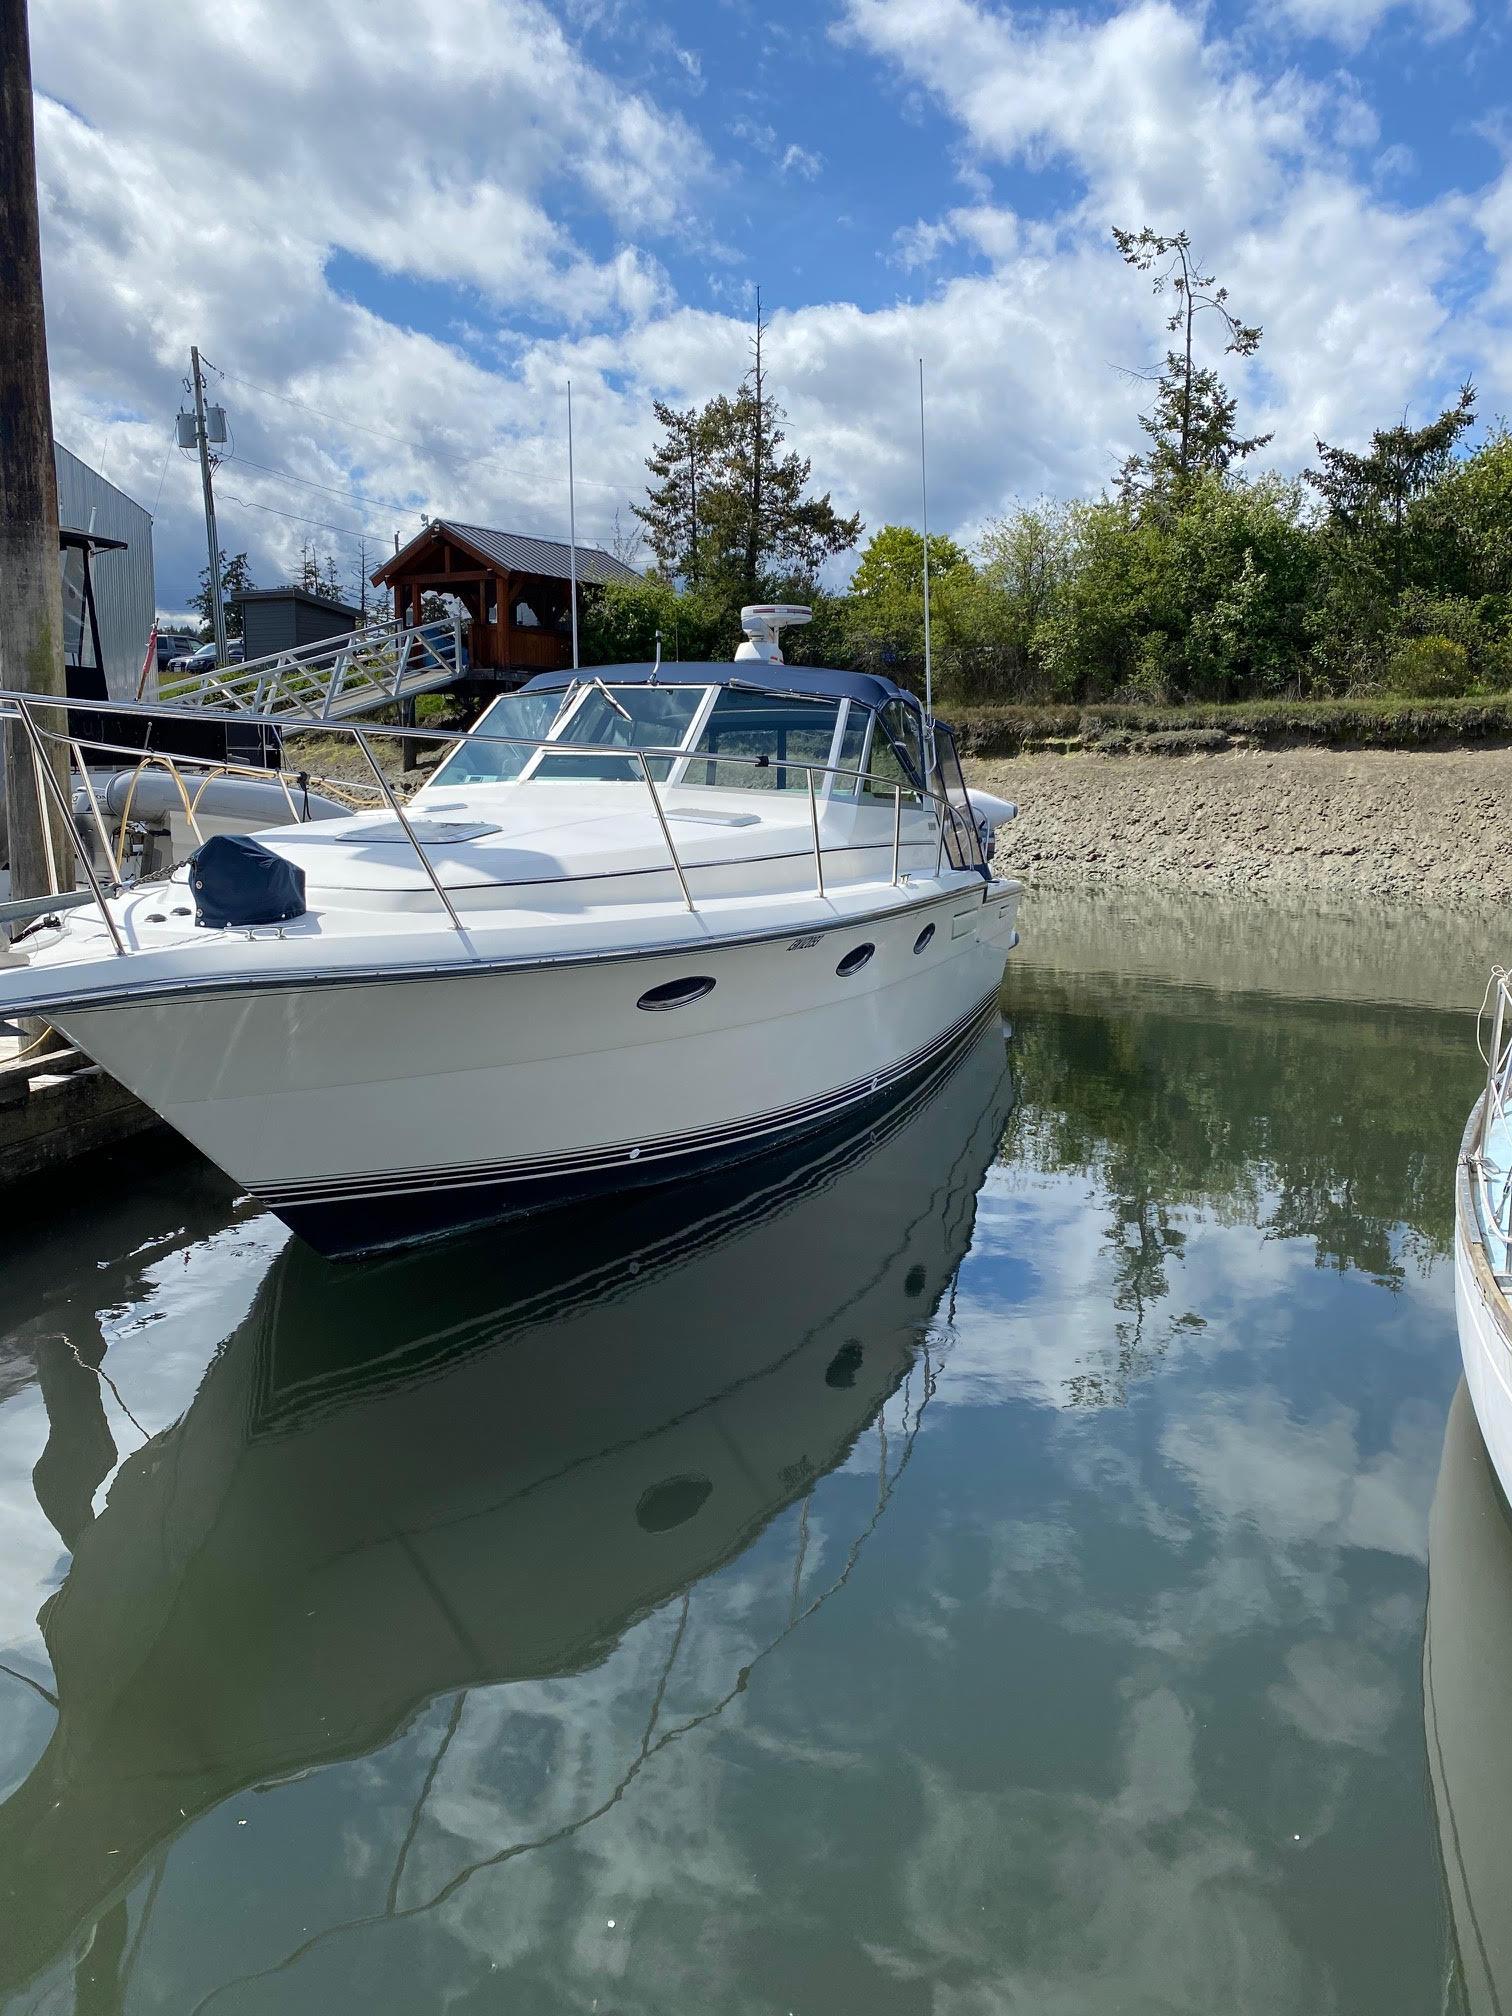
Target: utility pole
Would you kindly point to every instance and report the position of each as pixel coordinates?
(212, 539)
(31, 587)
(572, 529)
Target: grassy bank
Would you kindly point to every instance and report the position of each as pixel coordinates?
(1382, 721)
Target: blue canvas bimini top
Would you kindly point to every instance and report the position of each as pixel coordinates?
(810, 681)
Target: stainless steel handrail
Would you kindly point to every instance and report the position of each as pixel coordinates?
(49, 787)
(944, 814)
(1493, 1179)
(409, 832)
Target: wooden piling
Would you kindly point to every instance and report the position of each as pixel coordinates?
(31, 596)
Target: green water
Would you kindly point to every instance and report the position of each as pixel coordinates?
(980, 1567)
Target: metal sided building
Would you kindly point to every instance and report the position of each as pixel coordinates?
(107, 549)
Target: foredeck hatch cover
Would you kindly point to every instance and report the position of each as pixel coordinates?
(429, 832)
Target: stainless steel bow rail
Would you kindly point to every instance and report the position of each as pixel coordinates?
(1491, 1157)
(23, 709)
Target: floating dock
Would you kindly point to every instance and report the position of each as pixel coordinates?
(55, 1105)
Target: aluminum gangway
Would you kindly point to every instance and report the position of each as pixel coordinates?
(337, 679)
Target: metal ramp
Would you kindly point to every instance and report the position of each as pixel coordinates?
(334, 680)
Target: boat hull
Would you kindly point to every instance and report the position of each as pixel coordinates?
(1485, 1322)
(377, 1112)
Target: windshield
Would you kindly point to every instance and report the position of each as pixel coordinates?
(963, 843)
(478, 761)
(624, 717)
(895, 754)
(774, 729)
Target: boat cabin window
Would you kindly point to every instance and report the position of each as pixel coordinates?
(774, 729)
(896, 753)
(479, 761)
(623, 717)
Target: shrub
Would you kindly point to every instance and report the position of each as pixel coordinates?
(1430, 668)
(1183, 741)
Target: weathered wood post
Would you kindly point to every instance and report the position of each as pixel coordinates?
(31, 594)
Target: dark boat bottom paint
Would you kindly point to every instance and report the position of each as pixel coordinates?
(429, 1205)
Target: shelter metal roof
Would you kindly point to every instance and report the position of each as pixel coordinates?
(292, 593)
(518, 553)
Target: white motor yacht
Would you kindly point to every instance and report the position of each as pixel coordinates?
(639, 920)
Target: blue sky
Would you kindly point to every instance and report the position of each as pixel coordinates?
(399, 228)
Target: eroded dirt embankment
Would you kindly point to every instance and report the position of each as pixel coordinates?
(1433, 826)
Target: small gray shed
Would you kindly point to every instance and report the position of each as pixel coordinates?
(283, 619)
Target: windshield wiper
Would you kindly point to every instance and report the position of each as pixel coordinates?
(623, 712)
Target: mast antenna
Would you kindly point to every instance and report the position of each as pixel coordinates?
(572, 528)
(924, 492)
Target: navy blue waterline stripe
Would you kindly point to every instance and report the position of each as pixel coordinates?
(351, 1189)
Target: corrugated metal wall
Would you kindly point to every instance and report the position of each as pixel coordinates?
(123, 582)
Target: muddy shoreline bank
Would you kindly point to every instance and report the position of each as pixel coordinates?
(1430, 827)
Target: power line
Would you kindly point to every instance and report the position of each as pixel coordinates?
(287, 476)
(337, 419)
(162, 474)
(345, 531)
(383, 433)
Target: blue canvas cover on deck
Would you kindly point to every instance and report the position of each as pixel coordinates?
(236, 880)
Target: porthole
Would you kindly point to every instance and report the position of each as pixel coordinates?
(676, 993)
(843, 1367)
(672, 1503)
(854, 961)
(924, 937)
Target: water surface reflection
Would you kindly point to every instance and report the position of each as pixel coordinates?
(443, 1478)
(979, 1568)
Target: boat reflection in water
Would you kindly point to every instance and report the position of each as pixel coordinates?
(1467, 1673)
(478, 1466)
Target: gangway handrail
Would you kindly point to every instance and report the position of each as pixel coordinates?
(391, 661)
(23, 705)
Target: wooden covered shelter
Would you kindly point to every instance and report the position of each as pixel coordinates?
(514, 588)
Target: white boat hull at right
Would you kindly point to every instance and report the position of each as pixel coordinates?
(1485, 1321)
(529, 1085)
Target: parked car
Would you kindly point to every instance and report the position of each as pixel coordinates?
(204, 659)
(172, 646)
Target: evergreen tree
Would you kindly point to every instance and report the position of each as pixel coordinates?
(236, 579)
(1368, 496)
(763, 527)
(670, 512)
(362, 567)
(726, 509)
(1192, 427)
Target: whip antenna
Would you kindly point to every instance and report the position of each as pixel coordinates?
(924, 490)
(572, 528)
